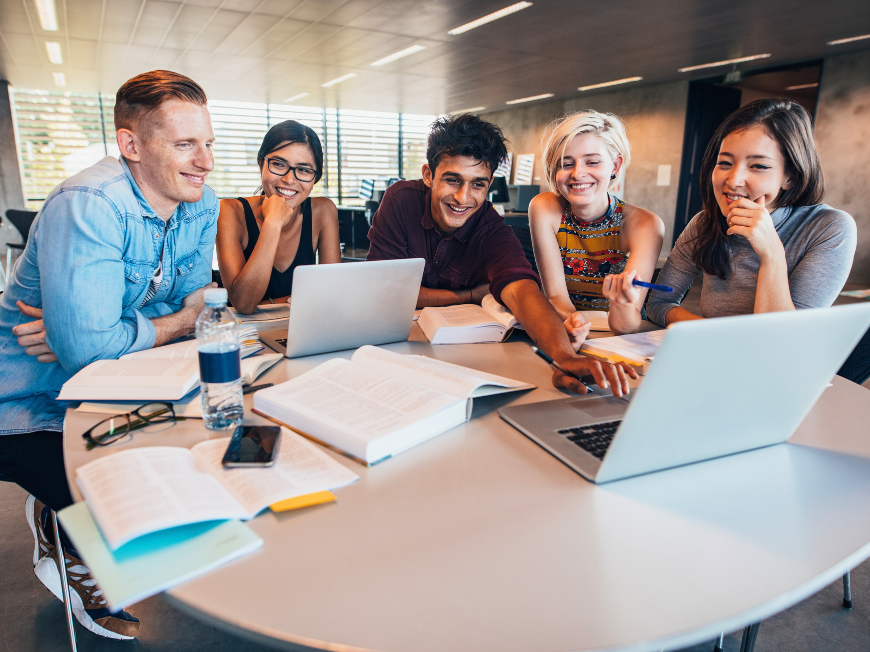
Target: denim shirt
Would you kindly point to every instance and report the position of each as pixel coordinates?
(92, 252)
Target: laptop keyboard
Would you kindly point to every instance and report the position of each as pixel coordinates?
(594, 439)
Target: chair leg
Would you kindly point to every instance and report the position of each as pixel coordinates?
(847, 591)
(720, 644)
(749, 636)
(61, 565)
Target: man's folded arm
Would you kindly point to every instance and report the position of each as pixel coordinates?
(80, 257)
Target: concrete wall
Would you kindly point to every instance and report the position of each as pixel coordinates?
(655, 119)
(842, 133)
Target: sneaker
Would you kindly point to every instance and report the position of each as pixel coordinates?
(86, 600)
(37, 515)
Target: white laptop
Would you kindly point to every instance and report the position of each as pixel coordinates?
(715, 387)
(347, 305)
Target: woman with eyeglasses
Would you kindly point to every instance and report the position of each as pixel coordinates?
(261, 240)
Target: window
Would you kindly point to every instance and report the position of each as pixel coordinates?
(61, 134)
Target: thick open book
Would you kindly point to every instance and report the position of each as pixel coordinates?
(164, 373)
(597, 319)
(142, 490)
(637, 349)
(468, 323)
(187, 350)
(132, 380)
(379, 403)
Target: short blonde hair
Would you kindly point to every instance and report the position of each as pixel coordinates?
(562, 131)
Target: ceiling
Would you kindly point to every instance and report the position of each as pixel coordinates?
(271, 50)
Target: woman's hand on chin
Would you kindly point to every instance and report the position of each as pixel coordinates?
(276, 210)
(752, 220)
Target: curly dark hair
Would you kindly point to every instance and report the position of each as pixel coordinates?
(465, 134)
(789, 124)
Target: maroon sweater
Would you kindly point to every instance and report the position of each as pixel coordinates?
(483, 250)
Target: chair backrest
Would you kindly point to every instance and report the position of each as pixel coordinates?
(857, 365)
(21, 220)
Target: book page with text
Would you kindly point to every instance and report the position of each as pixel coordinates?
(443, 376)
(352, 398)
(499, 313)
(142, 490)
(639, 347)
(463, 315)
(300, 469)
(270, 312)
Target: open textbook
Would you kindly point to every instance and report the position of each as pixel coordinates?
(164, 373)
(132, 380)
(189, 406)
(379, 403)
(468, 323)
(270, 312)
(142, 490)
(637, 349)
(187, 350)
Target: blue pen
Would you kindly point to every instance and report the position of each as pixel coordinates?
(560, 368)
(651, 286)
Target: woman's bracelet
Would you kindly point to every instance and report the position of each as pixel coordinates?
(270, 300)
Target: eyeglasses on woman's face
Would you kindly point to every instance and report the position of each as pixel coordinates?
(280, 167)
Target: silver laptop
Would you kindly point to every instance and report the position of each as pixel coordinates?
(715, 387)
(343, 306)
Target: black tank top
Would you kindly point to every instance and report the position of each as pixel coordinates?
(281, 283)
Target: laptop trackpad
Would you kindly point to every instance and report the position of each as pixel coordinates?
(603, 408)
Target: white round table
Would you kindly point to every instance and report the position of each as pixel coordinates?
(479, 540)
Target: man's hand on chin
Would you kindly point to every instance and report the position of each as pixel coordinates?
(31, 335)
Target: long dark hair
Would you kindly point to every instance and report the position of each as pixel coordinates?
(287, 133)
(788, 123)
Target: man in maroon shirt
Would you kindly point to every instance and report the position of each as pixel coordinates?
(445, 219)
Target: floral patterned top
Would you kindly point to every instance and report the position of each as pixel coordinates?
(591, 251)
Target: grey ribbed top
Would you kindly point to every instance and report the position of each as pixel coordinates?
(819, 244)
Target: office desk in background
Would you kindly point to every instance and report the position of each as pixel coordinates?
(478, 540)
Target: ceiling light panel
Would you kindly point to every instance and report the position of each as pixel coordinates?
(530, 99)
(298, 96)
(47, 14)
(338, 80)
(727, 62)
(401, 54)
(848, 40)
(54, 53)
(615, 82)
(483, 20)
(59, 79)
(475, 109)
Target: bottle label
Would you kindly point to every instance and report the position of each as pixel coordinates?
(220, 367)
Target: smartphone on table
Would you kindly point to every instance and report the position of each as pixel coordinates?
(252, 446)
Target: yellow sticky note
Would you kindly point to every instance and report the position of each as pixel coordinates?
(303, 501)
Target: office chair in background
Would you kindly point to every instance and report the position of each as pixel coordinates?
(21, 220)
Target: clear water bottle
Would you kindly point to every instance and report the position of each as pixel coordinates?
(219, 363)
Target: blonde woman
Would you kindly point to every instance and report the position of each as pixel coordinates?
(590, 245)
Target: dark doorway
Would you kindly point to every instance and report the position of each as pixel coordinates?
(710, 102)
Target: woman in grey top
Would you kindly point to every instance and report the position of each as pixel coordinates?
(763, 240)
